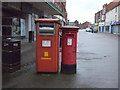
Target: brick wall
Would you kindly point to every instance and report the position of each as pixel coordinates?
(62, 7)
(97, 17)
(85, 25)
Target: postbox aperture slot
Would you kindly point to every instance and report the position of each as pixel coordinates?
(46, 28)
(69, 35)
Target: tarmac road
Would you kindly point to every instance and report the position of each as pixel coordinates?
(97, 67)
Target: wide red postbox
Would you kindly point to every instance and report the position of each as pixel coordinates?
(47, 45)
(69, 47)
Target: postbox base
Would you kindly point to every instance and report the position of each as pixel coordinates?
(47, 72)
(68, 68)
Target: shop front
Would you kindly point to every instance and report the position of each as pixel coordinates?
(116, 26)
(108, 27)
(96, 27)
(101, 27)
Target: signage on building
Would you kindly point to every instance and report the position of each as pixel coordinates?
(101, 23)
(96, 24)
(116, 23)
(108, 23)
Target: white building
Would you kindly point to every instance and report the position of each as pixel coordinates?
(113, 14)
(112, 22)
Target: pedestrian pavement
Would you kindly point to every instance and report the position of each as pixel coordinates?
(27, 52)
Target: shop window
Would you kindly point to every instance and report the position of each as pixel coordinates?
(115, 9)
(107, 28)
(115, 17)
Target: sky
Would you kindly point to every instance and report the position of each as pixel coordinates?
(84, 10)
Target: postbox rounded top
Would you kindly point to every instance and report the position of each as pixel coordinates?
(70, 28)
(47, 20)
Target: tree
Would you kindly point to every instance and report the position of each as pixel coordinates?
(76, 22)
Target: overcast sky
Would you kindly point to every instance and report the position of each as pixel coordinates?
(84, 10)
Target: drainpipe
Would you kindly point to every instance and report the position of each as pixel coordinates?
(31, 36)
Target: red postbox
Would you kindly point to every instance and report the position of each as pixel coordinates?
(69, 47)
(47, 45)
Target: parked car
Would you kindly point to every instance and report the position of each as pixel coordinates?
(88, 30)
(95, 31)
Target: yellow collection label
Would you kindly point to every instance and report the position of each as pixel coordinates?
(46, 58)
(46, 54)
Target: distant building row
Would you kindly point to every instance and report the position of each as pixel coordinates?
(81, 25)
(108, 19)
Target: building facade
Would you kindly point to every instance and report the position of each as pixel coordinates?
(100, 20)
(112, 19)
(85, 25)
(97, 20)
(21, 16)
(108, 18)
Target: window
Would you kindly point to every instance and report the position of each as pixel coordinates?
(46, 28)
(115, 9)
(115, 17)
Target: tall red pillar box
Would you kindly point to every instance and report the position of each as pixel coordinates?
(69, 47)
(47, 45)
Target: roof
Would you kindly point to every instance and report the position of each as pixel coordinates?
(112, 5)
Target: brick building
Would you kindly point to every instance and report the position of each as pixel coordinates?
(97, 17)
(62, 7)
(85, 25)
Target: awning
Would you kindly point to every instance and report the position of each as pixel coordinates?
(108, 23)
(39, 8)
(101, 23)
(47, 7)
(116, 23)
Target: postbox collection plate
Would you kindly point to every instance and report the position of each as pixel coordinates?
(69, 41)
